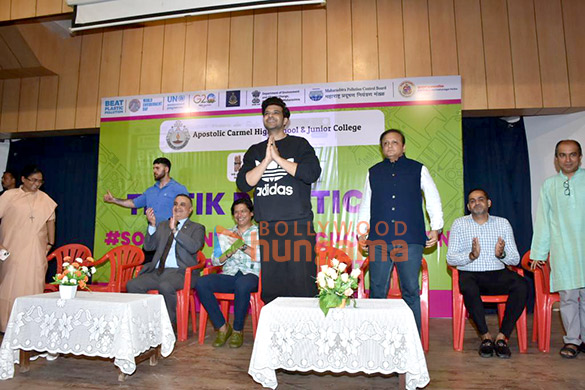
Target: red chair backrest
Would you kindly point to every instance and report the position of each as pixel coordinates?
(72, 250)
(123, 260)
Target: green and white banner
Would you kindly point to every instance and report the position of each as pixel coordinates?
(205, 135)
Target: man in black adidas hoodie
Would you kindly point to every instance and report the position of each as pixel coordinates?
(282, 169)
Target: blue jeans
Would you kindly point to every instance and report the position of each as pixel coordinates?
(381, 269)
(239, 284)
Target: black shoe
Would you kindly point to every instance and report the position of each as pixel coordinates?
(582, 347)
(486, 348)
(502, 349)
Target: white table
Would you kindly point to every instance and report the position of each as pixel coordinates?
(109, 325)
(377, 336)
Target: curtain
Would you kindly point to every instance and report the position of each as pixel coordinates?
(495, 158)
(69, 165)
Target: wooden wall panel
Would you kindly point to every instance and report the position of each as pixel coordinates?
(21, 9)
(574, 19)
(89, 80)
(265, 48)
(10, 103)
(498, 60)
(130, 63)
(1, 95)
(289, 66)
(21, 47)
(241, 50)
(443, 38)
(364, 40)
(8, 60)
(417, 50)
(28, 104)
(68, 82)
(390, 39)
(48, 89)
(173, 56)
(195, 54)
(523, 40)
(470, 54)
(109, 75)
(551, 53)
(48, 7)
(314, 57)
(152, 56)
(218, 52)
(65, 7)
(4, 10)
(42, 42)
(339, 54)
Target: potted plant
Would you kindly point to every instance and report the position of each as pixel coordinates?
(74, 275)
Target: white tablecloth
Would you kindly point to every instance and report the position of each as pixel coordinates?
(110, 325)
(377, 336)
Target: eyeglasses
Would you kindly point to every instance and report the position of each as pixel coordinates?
(567, 188)
(35, 181)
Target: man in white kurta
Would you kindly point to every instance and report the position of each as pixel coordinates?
(560, 230)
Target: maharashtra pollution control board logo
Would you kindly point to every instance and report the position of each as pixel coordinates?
(407, 88)
(178, 136)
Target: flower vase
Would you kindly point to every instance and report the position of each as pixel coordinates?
(67, 292)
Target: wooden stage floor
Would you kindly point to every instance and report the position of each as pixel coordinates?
(194, 366)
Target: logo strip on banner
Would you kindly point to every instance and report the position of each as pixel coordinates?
(354, 94)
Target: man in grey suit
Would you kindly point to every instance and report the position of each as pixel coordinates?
(176, 243)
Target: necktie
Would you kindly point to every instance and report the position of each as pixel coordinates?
(163, 258)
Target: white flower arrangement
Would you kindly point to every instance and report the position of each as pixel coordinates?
(336, 287)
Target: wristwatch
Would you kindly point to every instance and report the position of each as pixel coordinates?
(244, 247)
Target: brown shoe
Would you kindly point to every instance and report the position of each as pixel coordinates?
(222, 337)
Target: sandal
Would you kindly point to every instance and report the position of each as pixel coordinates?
(569, 351)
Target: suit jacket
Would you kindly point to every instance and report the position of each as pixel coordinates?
(189, 241)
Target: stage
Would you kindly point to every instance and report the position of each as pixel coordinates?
(203, 367)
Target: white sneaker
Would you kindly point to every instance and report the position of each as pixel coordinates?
(49, 356)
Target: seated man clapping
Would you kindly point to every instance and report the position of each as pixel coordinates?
(241, 269)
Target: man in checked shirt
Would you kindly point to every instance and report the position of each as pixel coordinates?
(480, 246)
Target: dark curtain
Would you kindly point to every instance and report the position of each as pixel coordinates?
(495, 158)
(69, 165)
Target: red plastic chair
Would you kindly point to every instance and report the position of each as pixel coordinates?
(186, 300)
(72, 250)
(460, 313)
(124, 263)
(544, 301)
(224, 299)
(395, 293)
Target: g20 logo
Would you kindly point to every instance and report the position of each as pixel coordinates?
(203, 98)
